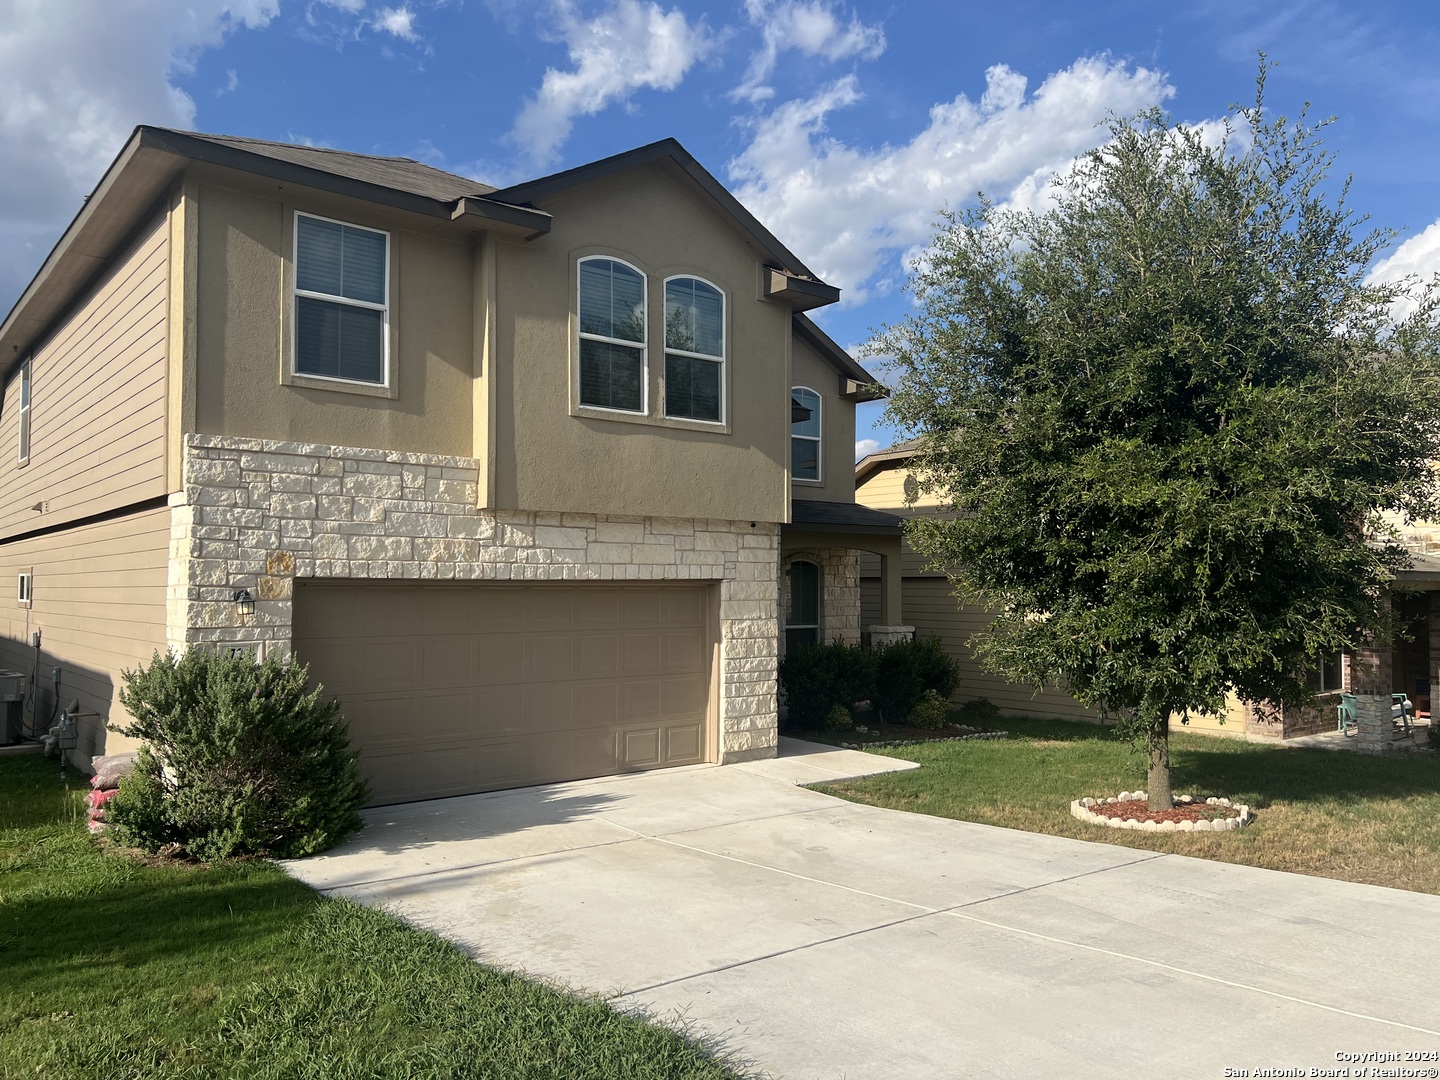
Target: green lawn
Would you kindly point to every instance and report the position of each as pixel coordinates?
(112, 968)
(1321, 812)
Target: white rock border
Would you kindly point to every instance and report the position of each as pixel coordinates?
(1080, 808)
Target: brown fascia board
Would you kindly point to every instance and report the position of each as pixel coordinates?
(532, 191)
(858, 380)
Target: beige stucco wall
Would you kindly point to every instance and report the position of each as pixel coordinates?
(547, 457)
(244, 311)
(837, 428)
(97, 413)
(99, 605)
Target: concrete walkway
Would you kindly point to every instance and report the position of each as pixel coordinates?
(819, 938)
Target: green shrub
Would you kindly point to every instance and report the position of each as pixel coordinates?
(816, 678)
(839, 719)
(905, 670)
(978, 710)
(240, 758)
(931, 711)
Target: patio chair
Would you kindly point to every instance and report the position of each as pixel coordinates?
(1402, 714)
(1347, 720)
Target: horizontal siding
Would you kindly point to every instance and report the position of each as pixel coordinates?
(930, 607)
(99, 604)
(885, 490)
(97, 416)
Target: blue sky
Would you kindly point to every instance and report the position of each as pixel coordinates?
(844, 127)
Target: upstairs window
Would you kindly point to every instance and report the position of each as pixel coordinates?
(612, 335)
(694, 350)
(342, 311)
(24, 446)
(804, 434)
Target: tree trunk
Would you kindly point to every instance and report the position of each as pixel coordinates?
(1158, 779)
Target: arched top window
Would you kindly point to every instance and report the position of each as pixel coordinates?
(612, 334)
(804, 434)
(802, 604)
(694, 350)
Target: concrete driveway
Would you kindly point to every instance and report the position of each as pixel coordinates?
(823, 939)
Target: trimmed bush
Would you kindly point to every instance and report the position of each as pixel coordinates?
(816, 678)
(905, 670)
(839, 719)
(931, 711)
(240, 759)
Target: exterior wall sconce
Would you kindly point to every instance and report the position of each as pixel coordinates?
(244, 603)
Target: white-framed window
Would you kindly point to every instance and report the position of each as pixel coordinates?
(1326, 675)
(24, 440)
(22, 588)
(694, 350)
(613, 372)
(804, 434)
(802, 605)
(342, 301)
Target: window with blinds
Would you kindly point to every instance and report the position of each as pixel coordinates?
(342, 311)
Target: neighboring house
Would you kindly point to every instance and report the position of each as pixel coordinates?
(1409, 664)
(511, 469)
(884, 481)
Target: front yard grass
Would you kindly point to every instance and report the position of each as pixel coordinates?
(1320, 812)
(111, 967)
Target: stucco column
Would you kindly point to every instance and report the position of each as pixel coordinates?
(890, 627)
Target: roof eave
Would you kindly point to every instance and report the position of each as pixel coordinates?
(137, 177)
(872, 463)
(520, 221)
(801, 293)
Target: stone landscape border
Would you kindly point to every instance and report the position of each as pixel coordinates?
(894, 743)
(1080, 808)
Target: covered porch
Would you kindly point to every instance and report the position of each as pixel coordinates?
(820, 551)
(1384, 683)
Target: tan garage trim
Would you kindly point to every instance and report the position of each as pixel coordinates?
(458, 687)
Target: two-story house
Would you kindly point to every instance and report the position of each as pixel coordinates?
(537, 480)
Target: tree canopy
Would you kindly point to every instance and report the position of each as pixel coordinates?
(1168, 412)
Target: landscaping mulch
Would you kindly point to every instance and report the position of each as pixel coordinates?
(1140, 810)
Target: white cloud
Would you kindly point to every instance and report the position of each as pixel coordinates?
(628, 46)
(354, 7)
(847, 211)
(1417, 258)
(398, 21)
(232, 83)
(811, 27)
(865, 446)
(72, 86)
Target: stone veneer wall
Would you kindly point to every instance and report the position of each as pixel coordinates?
(258, 514)
(839, 589)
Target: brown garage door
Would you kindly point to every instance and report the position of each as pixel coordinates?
(452, 688)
